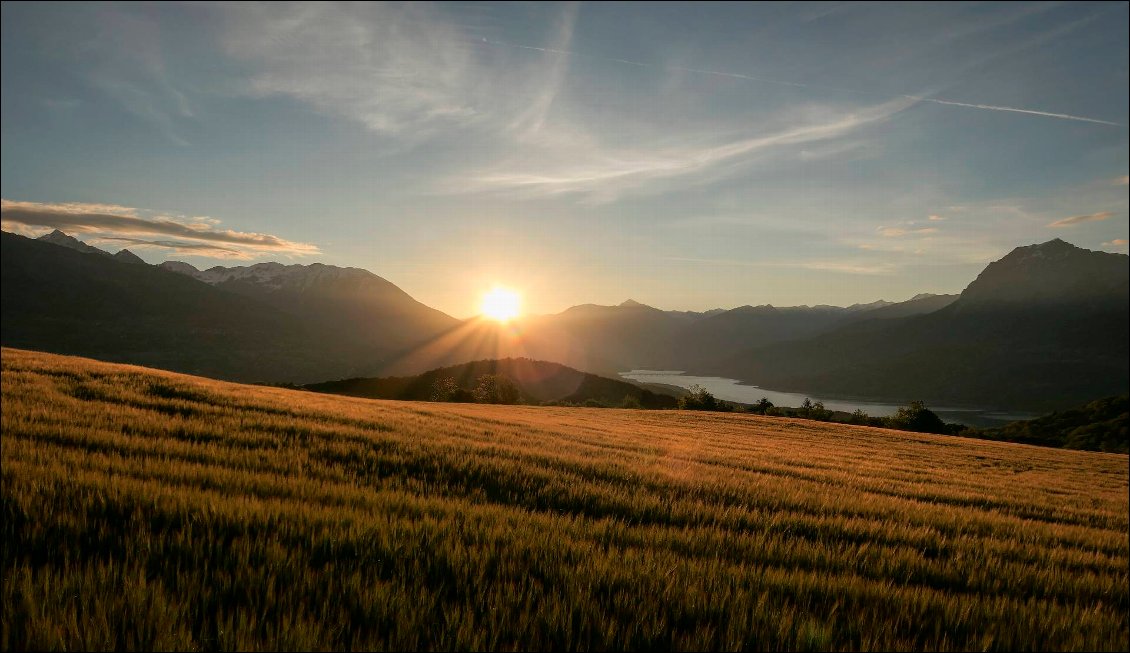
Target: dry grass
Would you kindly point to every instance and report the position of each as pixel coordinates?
(144, 509)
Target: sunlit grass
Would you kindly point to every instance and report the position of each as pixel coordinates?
(144, 509)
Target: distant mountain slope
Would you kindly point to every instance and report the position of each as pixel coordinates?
(1043, 328)
(346, 303)
(917, 305)
(538, 381)
(593, 338)
(744, 327)
(60, 300)
(610, 339)
(725, 333)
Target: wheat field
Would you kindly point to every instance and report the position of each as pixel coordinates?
(149, 510)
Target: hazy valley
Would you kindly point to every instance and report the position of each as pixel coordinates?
(565, 326)
(1042, 329)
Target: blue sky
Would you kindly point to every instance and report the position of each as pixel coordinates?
(687, 156)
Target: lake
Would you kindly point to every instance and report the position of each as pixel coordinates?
(734, 390)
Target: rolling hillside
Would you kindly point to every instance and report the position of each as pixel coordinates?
(537, 381)
(204, 514)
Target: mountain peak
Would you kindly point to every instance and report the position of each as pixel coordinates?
(57, 237)
(879, 303)
(61, 239)
(1054, 248)
(126, 256)
(180, 267)
(631, 303)
(1054, 272)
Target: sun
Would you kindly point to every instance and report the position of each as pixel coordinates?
(501, 304)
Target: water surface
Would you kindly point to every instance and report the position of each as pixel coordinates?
(734, 390)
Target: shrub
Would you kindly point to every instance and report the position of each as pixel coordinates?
(495, 389)
(444, 389)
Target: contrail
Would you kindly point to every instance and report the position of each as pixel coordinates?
(766, 80)
(1064, 116)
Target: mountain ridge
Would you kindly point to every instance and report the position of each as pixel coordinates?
(1041, 322)
(60, 299)
(1042, 328)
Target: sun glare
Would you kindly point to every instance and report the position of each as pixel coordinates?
(501, 304)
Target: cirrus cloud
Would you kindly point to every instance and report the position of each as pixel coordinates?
(899, 232)
(1077, 219)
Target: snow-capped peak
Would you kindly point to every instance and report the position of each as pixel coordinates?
(271, 275)
(63, 240)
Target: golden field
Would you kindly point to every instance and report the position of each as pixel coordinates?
(149, 510)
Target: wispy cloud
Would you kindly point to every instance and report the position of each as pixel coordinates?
(174, 246)
(936, 218)
(394, 68)
(118, 51)
(844, 266)
(531, 120)
(604, 174)
(1077, 219)
(200, 235)
(806, 85)
(413, 71)
(1124, 180)
(1117, 242)
(899, 232)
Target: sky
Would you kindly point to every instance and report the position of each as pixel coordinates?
(688, 156)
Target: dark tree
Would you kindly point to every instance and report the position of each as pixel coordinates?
(917, 417)
(699, 398)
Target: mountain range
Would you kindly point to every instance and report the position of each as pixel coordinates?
(352, 305)
(1044, 327)
(263, 323)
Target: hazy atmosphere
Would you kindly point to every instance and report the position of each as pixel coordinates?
(688, 157)
(565, 326)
